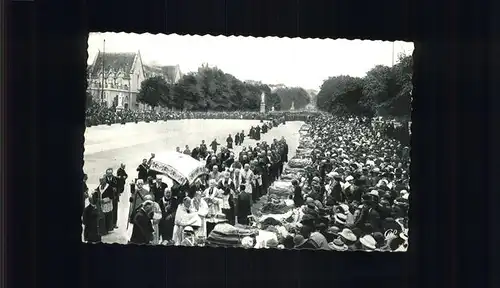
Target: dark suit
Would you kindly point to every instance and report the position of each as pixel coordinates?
(113, 183)
(243, 207)
(158, 190)
(166, 225)
(142, 172)
(142, 232)
(91, 218)
(108, 217)
(121, 177)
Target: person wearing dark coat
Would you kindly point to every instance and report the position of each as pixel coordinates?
(242, 137)
(214, 145)
(243, 206)
(142, 232)
(121, 176)
(237, 139)
(195, 153)
(91, 221)
(298, 198)
(257, 133)
(203, 149)
(113, 182)
(158, 190)
(168, 205)
(143, 170)
(106, 191)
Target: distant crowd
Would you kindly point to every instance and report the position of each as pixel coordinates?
(99, 114)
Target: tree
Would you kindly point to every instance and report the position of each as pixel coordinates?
(152, 91)
(384, 91)
(296, 95)
(212, 89)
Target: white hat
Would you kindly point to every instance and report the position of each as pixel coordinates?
(348, 235)
(405, 196)
(403, 192)
(340, 218)
(188, 229)
(374, 193)
(349, 178)
(345, 161)
(338, 245)
(368, 241)
(345, 207)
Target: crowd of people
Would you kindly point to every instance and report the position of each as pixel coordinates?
(349, 190)
(355, 189)
(232, 184)
(99, 114)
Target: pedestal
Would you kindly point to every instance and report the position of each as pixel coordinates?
(262, 107)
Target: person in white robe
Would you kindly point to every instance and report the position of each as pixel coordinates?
(200, 206)
(213, 197)
(237, 178)
(157, 215)
(184, 217)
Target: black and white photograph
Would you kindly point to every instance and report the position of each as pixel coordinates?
(244, 142)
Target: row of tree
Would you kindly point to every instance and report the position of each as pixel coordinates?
(384, 91)
(210, 89)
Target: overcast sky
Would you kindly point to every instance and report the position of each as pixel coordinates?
(293, 62)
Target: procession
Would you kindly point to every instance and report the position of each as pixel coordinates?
(344, 196)
(279, 169)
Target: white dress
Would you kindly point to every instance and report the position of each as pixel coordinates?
(202, 211)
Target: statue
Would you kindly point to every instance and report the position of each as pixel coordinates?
(293, 106)
(263, 103)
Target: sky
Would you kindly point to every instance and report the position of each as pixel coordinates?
(293, 62)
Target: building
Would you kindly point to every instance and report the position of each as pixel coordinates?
(172, 74)
(123, 74)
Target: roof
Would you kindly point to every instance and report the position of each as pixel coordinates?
(168, 72)
(113, 62)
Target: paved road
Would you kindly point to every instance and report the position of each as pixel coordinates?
(108, 146)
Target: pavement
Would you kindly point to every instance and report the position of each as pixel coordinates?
(109, 146)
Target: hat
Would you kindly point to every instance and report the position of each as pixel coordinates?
(340, 218)
(376, 170)
(318, 204)
(321, 226)
(316, 179)
(299, 240)
(405, 196)
(338, 245)
(188, 229)
(307, 217)
(334, 230)
(368, 241)
(348, 235)
(349, 178)
(374, 193)
(401, 201)
(344, 207)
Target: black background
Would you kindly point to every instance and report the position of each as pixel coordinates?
(453, 167)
